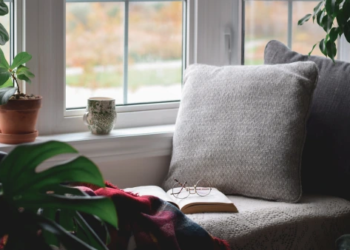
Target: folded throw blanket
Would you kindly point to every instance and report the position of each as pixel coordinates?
(155, 224)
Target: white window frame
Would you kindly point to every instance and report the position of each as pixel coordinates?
(45, 40)
(343, 47)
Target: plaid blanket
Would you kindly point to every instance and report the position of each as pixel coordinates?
(155, 224)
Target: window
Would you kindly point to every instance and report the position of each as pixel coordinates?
(128, 50)
(267, 20)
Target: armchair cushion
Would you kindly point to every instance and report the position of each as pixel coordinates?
(326, 157)
(243, 128)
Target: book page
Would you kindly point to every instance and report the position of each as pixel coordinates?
(216, 201)
(151, 190)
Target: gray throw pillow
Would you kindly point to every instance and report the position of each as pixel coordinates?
(326, 156)
(243, 128)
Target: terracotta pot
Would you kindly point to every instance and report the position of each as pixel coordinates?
(18, 118)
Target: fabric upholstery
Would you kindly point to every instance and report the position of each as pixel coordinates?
(243, 128)
(326, 156)
(313, 223)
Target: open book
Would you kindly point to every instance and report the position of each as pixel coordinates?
(213, 202)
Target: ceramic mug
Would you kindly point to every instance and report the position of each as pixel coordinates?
(100, 116)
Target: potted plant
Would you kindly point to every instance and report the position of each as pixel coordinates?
(326, 13)
(18, 111)
(38, 211)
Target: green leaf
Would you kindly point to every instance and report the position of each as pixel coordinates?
(3, 62)
(343, 242)
(21, 58)
(4, 76)
(304, 19)
(23, 70)
(66, 238)
(81, 169)
(5, 94)
(4, 35)
(331, 49)
(332, 7)
(313, 47)
(320, 16)
(322, 47)
(327, 22)
(4, 10)
(317, 9)
(86, 234)
(347, 31)
(24, 78)
(12, 166)
(100, 206)
(333, 34)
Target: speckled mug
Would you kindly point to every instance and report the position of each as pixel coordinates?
(100, 116)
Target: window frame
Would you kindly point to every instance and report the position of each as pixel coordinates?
(343, 46)
(45, 21)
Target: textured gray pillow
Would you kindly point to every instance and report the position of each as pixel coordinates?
(326, 156)
(243, 128)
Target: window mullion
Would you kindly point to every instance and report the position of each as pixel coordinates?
(290, 23)
(126, 52)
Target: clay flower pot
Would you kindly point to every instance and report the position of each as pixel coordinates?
(18, 119)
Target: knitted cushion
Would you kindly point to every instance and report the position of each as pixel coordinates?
(326, 157)
(243, 128)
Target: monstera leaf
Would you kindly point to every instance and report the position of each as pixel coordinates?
(38, 197)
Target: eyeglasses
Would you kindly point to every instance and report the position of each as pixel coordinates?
(181, 191)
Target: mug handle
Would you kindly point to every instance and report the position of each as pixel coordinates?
(85, 118)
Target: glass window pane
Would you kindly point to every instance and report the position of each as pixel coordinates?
(264, 21)
(5, 21)
(94, 51)
(155, 51)
(306, 35)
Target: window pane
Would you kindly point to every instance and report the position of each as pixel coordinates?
(5, 21)
(306, 35)
(94, 51)
(264, 21)
(155, 51)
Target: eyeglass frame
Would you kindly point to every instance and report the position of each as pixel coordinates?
(188, 189)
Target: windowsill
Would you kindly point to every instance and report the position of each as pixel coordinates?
(132, 142)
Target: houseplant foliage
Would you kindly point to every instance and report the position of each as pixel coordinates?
(14, 72)
(37, 210)
(327, 13)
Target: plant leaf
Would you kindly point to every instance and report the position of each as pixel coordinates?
(4, 35)
(317, 9)
(304, 19)
(322, 47)
(331, 49)
(21, 58)
(80, 169)
(333, 34)
(23, 70)
(67, 239)
(5, 94)
(13, 166)
(347, 31)
(332, 7)
(4, 10)
(24, 78)
(3, 62)
(313, 47)
(320, 16)
(343, 242)
(327, 22)
(86, 234)
(100, 206)
(4, 76)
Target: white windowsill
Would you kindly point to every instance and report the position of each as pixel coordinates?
(125, 143)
